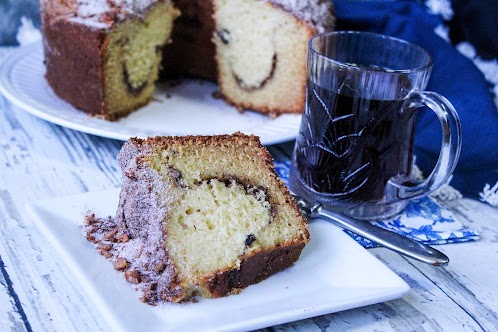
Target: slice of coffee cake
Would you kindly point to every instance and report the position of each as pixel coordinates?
(200, 215)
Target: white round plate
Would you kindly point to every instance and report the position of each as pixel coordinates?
(186, 109)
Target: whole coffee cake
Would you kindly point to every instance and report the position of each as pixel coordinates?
(104, 56)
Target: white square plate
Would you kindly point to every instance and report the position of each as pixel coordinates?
(334, 273)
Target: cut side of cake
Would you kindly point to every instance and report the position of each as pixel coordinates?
(104, 56)
(201, 215)
(132, 57)
(261, 52)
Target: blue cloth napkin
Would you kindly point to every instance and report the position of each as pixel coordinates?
(423, 220)
(453, 76)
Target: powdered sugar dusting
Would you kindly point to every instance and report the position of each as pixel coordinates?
(102, 13)
(130, 256)
(90, 23)
(89, 8)
(95, 13)
(318, 13)
(135, 239)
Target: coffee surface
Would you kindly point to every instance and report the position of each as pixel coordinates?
(350, 146)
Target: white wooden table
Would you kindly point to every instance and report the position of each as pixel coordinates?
(39, 160)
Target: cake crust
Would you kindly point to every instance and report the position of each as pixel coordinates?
(254, 269)
(74, 69)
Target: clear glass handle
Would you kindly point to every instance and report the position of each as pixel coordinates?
(403, 187)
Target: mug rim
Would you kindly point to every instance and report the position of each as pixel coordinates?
(423, 67)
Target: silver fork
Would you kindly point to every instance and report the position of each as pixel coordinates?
(393, 241)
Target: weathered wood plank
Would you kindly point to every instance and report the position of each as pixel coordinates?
(426, 308)
(43, 285)
(12, 317)
(470, 279)
(32, 171)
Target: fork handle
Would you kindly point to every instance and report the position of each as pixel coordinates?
(393, 241)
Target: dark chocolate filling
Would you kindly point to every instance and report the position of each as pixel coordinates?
(227, 181)
(177, 177)
(250, 240)
(247, 87)
(224, 35)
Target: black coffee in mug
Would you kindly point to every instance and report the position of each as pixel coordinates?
(354, 150)
(363, 143)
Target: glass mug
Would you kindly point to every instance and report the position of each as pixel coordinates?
(354, 151)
